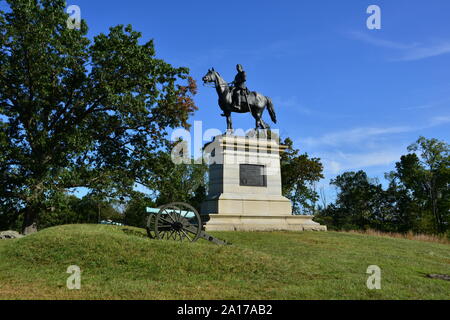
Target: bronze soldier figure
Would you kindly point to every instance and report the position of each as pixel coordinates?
(240, 87)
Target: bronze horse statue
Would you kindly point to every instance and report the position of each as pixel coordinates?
(255, 102)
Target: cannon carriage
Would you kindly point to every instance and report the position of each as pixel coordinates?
(177, 221)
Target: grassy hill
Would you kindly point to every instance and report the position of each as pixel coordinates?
(121, 263)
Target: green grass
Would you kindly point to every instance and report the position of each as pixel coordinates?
(121, 263)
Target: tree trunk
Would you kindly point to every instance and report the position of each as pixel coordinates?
(29, 221)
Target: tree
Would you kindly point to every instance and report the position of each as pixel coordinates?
(299, 173)
(407, 210)
(425, 174)
(9, 217)
(361, 203)
(63, 208)
(79, 113)
(417, 198)
(91, 209)
(135, 211)
(58, 210)
(353, 198)
(184, 182)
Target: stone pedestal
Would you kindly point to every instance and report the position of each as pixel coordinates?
(245, 187)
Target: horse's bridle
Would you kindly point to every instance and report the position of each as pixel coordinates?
(206, 84)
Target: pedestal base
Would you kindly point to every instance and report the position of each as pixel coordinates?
(252, 204)
(245, 187)
(233, 222)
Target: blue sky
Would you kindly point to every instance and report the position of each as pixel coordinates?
(354, 97)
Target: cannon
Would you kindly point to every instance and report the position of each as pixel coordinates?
(177, 221)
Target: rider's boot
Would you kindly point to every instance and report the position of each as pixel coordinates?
(238, 103)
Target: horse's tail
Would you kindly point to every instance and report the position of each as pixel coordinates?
(271, 110)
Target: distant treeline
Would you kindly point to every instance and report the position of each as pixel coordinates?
(417, 198)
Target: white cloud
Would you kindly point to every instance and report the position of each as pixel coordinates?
(363, 147)
(419, 107)
(409, 52)
(332, 166)
(338, 162)
(352, 136)
(439, 120)
(367, 135)
(381, 42)
(425, 52)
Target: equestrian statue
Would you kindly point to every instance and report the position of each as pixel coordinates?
(235, 97)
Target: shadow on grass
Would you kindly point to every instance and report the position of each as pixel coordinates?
(133, 232)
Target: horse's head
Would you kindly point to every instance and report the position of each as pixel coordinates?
(211, 76)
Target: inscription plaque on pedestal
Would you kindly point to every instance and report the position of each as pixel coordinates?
(252, 175)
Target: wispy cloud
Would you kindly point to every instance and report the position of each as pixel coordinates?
(368, 147)
(433, 104)
(419, 107)
(273, 50)
(352, 136)
(291, 103)
(381, 42)
(439, 120)
(364, 134)
(425, 52)
(335, 163)
(409, 51)
(363, 147)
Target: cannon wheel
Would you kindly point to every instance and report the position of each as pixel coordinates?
(172, 222)
(151, 226)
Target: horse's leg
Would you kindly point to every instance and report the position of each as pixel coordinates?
(264, 124)
(260, 124)
(255, 116)
(229, 122)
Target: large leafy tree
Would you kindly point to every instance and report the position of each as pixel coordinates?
(76, 112)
